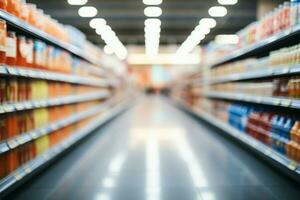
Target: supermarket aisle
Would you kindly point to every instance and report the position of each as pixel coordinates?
(155, 151)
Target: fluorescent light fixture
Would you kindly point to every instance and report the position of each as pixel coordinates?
(152, 22)
(228, 2)
(87, 11)
(108, 50)
(217, 11)
(97, 23)
(227, 39)
(208, 22)
(153, 11)
(77, 2)
(152, 2)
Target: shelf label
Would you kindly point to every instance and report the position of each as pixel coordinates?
(28, 170)
(12, 143)
(292, 166)
(286, 103)
(18, 176)
(34, 135)
(8, 108)
(19, 107)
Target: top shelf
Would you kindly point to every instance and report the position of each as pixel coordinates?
(21, 25)
(283, 39)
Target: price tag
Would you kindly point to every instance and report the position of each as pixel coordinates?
(36, 104)
(8, 108)
(286, 70)
(28, 105)
(18, 176)
(20, 140)
(12, 71)
(276, 101)
(28, 170)
(34, 135)
(268, 152)
(12, 143)
(43, 131)
(46, 156)
(259, 99)
(2, 110)
(286, 103)
(292, 166)
(19, 106)
(3, 147)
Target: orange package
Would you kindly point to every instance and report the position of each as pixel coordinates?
(3, 4)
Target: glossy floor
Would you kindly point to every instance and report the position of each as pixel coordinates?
(157, 152)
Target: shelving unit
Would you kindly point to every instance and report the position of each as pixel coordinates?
(290, 167)
(271, 43)
(108, 96)
(197, 94)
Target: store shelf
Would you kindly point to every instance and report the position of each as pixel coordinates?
(272, 101)
(21, 139)
(264, 73)
(53, 76)
(271, 43)
(21, 25)
(39, 162)
(27, 105)
(289, 166)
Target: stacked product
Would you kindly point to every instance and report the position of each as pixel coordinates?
(277, 130)
(29, 14)
(282, 58)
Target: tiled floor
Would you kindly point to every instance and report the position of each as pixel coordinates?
(157, 152)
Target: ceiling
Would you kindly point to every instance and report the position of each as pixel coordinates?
(126, 18)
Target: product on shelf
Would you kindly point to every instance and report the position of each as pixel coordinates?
(275, 129)
(16, 124)
(2, 41)
(282, 58)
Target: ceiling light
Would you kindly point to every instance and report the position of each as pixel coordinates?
(152, 22)
(77, 2)
(152, 2)
(208, 22)
(87, 11)
(201, 30)
(153, 11)
(108, 50)
(97, 23)
(228, 2)
(217, 11)
(227, 39)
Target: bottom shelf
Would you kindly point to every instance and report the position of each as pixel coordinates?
(288, 166)
(37, 163)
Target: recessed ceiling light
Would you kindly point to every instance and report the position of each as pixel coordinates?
(217, 11)
(228, 2)
(208, 22)
(87, 11)
(97, 22)
(77, 2)
(153, 11)
(152, 2)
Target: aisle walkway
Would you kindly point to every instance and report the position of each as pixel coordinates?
(157, 152)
